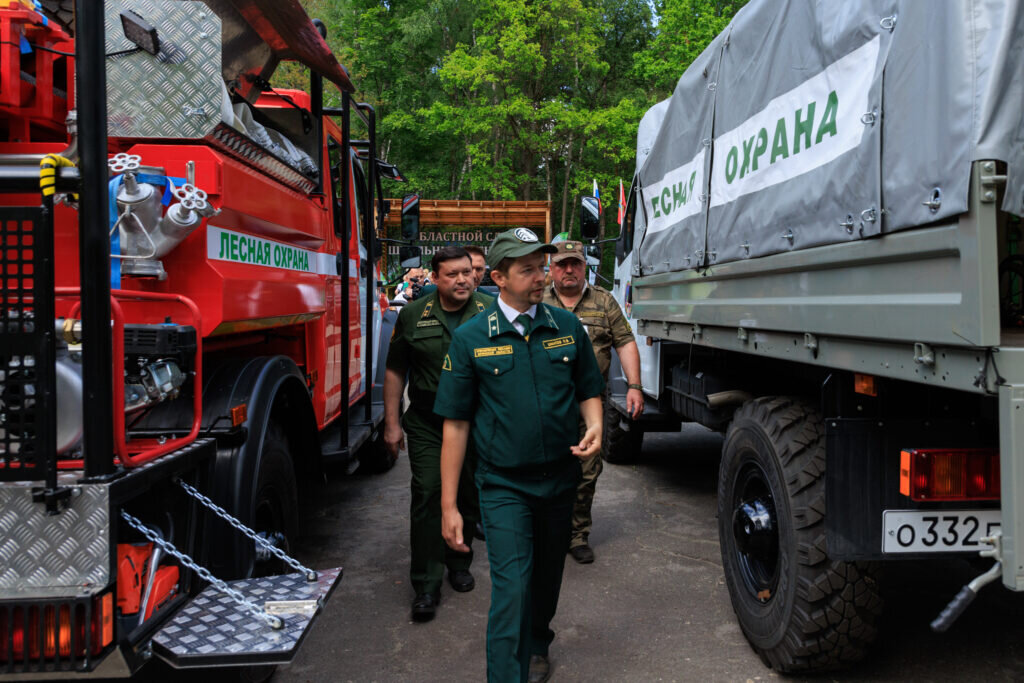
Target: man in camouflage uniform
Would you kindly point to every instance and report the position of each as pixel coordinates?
(607, 328)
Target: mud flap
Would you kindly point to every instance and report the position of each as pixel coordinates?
(213, 630)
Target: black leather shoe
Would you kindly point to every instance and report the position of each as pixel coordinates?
(461, 580)
(582, 553)
(540, 669)
(424, 607)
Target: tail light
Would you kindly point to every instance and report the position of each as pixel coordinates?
(33, 632)
(945, 474)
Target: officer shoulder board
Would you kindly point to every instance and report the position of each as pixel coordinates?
(480, 307)
(492, 324)
(427, 309)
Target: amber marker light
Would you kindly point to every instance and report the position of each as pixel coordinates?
(107, 619)
(865, 384)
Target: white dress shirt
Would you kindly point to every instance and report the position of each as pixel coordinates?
(512, 314)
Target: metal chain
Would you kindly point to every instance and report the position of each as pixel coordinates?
(269, 619)
(237, 524)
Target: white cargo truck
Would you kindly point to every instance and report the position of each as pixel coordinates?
(822, 258)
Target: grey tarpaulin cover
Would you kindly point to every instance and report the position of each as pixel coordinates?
(808, 123)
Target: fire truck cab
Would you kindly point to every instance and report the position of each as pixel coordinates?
(191, 327)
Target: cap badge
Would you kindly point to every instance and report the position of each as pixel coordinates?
(525, 235)
(570, 247)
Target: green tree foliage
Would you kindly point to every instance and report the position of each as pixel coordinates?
(514, 99)
(685, 28)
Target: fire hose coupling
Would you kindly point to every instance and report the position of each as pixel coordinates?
(142, 231)
(192, 201)
(70, 330)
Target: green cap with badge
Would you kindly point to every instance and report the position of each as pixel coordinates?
(515, 243)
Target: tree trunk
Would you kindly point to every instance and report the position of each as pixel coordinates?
(565, 183)
(575, 205)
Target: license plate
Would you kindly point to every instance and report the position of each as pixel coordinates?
(937, 531)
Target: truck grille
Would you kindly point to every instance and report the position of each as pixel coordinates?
(27, 397)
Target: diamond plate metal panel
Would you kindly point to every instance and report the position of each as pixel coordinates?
(44, 551)
(176, 94)
(214, 629)
(233, 143)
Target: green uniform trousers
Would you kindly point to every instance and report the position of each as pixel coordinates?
(430, 554)
(527, 521)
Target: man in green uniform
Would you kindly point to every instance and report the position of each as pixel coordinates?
(607, 327)
(518, 376)
(419, 343)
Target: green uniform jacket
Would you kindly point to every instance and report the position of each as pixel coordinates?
(521, 394)
(420, 341)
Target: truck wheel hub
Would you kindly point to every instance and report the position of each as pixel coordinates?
(755, 533)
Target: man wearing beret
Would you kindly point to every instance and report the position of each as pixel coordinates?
(517, 377)
(607, 328)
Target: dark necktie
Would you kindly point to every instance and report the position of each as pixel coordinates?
(526, 321)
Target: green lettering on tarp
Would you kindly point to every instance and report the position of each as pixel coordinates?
(780, 146)
(747, 146)
(277, 255)
(760, 148)
(732, 160)
(678, 195)
(804, 127)
(253, 251)
(654, 207)
(225, 246)
(828, 119)
(666, 203)
(234, 247)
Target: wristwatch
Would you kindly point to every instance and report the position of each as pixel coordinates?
(635, 386)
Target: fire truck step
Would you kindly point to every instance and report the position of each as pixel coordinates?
(213, 630)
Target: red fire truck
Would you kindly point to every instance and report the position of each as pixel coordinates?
(190, 328)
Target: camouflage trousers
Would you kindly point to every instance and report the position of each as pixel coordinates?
(581, 517)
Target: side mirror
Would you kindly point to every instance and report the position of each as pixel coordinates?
(409, 257)
(411, 218)
(590, 218)
(389, 171)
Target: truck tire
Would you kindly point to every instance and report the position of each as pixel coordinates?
(622, 438)
(275, 510)
(374, 457)
(799, 610)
